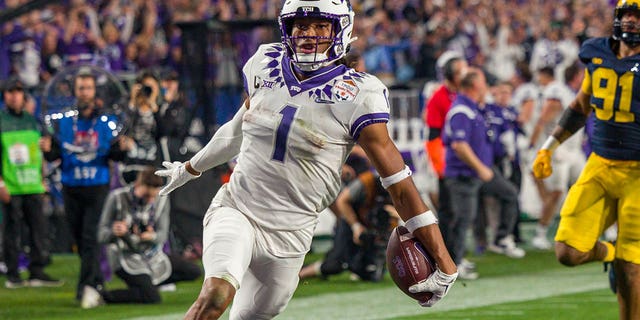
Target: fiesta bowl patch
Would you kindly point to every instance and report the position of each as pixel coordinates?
(345, 90)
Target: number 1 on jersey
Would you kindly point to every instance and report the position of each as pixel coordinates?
(280, 145)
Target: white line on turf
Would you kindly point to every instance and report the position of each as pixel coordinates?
(390, 302)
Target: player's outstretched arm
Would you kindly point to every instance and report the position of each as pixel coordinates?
(573, 118)
(387, 160)
(223, 146)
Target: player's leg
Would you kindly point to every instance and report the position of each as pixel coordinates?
(586, 213)
(627, 263)
(228, 240)
(267, 287)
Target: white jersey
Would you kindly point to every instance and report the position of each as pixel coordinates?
(296, 136)
(559, 91)
(523, 93)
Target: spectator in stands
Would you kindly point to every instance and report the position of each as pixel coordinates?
(365, 217)
(51, 58)
(135, 226)
(112, 46)
(174, 118)
(85, 141)
(568, 159)
(143, 132)
(79, 41)
(468, 173)
(130, 57)
(228, 81)
(21, 189)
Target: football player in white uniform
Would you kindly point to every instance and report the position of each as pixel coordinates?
(568, 160)
(305, 111)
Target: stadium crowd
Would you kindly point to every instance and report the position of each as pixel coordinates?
(398, 40)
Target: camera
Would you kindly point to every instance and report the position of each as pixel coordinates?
(146, 91)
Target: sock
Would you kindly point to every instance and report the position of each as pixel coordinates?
(541, 230)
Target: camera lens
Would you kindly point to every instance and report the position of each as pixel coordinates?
(146, 90)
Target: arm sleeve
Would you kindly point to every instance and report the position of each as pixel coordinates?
(223, 146)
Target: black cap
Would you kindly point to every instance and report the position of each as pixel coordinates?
(13, 83)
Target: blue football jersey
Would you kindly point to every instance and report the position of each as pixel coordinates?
(614, 85)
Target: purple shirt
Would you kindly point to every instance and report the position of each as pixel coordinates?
(79, 44)
(115, 54)
(501, 121)
(464, 122)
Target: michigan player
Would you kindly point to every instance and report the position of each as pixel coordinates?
(609, 187)
(304, 113)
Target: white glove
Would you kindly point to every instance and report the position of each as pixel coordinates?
(177, 174)
(438, 283)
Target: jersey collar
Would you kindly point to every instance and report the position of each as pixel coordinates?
(318, 78)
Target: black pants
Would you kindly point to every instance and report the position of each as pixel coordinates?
(337, 258)
(366, 261)
(27, 208)
(465, 194)
(83, 206)
(140, 288)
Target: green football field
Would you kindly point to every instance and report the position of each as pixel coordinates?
(535, 287)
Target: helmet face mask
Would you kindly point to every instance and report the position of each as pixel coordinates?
(337, 13)
(626, 31)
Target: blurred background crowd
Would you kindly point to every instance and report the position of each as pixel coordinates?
(399, 41)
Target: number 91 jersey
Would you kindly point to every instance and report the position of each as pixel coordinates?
(296, 136)
(614, 85)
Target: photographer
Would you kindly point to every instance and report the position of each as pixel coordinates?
(135, 225)
(365, 217)
(142, 127)
(85, 141)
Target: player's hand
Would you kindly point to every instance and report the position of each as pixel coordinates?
(438, 283)
(542, 164)
(177, 175)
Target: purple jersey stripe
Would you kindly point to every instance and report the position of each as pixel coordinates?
(365, 120)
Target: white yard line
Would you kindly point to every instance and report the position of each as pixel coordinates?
(390, 302)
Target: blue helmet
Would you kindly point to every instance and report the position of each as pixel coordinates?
(622, 7)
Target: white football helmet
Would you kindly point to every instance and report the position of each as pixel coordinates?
(339, 12)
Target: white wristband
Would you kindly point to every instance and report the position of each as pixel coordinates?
(550, 144)
(421, 220)
(396, 177)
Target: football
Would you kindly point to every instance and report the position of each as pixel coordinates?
(408, 262)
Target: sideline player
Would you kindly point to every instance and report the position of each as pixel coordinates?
(609, 187)
(304, 113)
